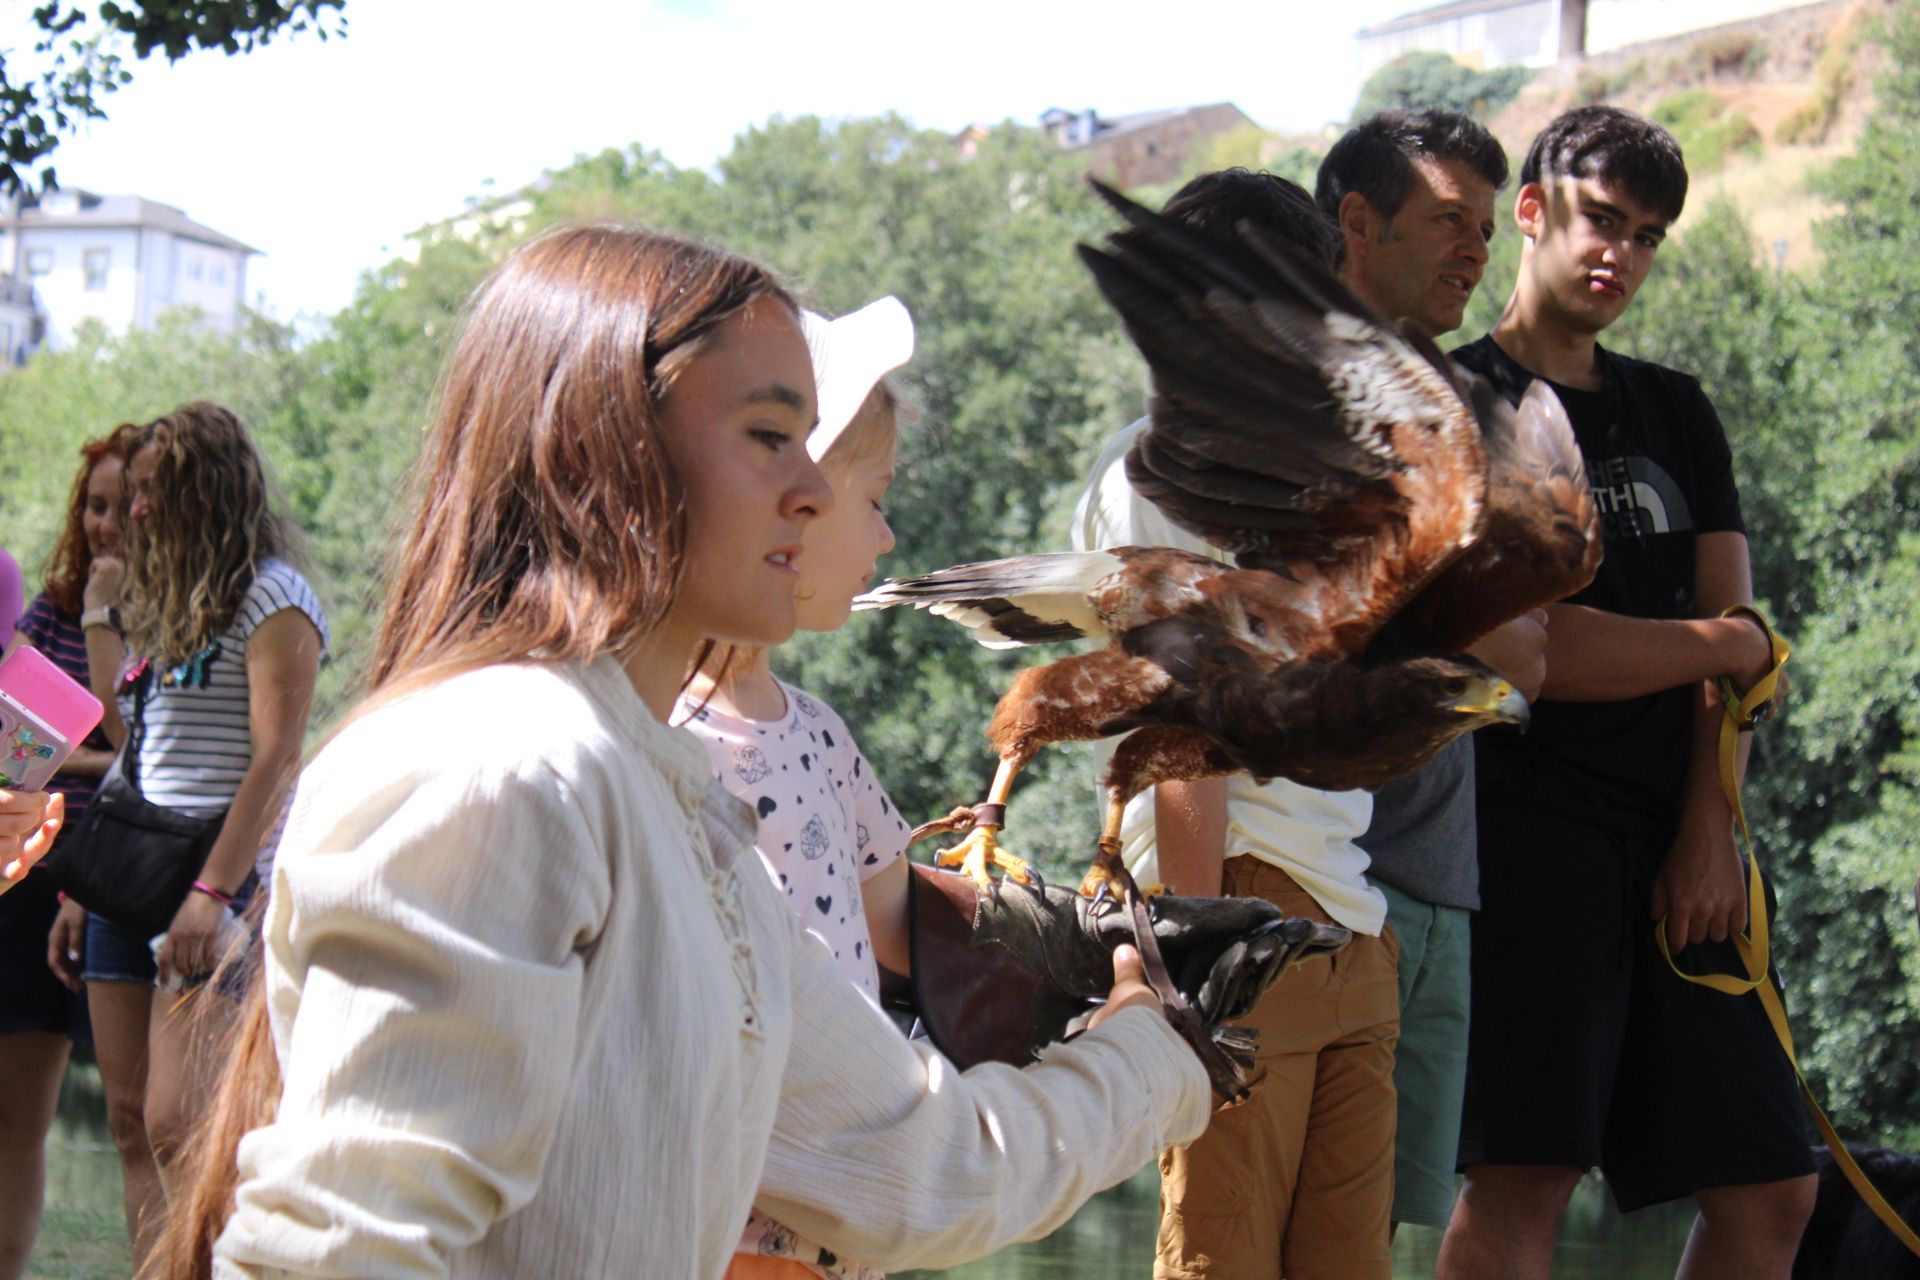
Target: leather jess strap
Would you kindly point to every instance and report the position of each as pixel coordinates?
(960, 820)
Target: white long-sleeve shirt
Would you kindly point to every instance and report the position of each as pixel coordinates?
(540, 1013)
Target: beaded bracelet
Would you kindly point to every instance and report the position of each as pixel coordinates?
(224, 899)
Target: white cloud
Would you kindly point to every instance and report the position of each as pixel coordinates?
(325, 155)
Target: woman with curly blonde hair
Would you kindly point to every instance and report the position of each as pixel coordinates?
(210, 639)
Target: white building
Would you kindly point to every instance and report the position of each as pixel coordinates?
(1537, 33)
(1479, 33)
(121, 260)
(19, 322)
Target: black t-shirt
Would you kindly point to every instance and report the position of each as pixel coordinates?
(1661, 473)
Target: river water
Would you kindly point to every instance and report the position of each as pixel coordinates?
(1111, 1238)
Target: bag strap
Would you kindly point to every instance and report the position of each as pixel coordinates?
(130, 757)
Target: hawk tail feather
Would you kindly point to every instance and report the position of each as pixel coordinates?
(1009, 603)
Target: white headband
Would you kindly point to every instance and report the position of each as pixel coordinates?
(850, 356)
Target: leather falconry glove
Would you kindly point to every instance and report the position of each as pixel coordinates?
(999, 976)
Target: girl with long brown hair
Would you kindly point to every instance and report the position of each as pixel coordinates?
(535, 1007)
(210, 639)
(41, 1009)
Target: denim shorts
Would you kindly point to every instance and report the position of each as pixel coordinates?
(116, 954)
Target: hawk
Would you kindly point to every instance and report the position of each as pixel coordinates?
(1381, 510)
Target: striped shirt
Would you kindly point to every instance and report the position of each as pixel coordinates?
(57, 634)
(196, 742)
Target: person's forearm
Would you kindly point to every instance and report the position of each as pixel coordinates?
(1699, 894)
(885, 1153)
(1596, 656)
(1704, 798)
(250, 818)
(884, 902)
(1190, 835)
(283, 657)
(29, 820)
(88, 762)
(1517, 650)
(105, 653)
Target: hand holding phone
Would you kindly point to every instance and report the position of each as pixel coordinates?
(29, 820)
(44, 715)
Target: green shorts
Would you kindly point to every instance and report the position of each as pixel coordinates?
(1430, 1063)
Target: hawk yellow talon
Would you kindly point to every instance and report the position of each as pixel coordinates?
(979, 850)
(1098, 878)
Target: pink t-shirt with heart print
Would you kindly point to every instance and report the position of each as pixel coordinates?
(826, 824)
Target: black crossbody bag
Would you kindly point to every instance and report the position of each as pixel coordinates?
(130, 860)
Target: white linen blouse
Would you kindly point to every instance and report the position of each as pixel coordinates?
(540, 1012)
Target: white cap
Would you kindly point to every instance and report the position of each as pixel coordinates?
(850, 356)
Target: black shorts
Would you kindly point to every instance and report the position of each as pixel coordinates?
(1585, 1049)
(31, 998)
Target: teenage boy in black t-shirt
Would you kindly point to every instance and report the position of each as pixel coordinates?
(1585, 1049)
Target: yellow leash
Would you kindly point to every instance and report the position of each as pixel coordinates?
(1753, 948)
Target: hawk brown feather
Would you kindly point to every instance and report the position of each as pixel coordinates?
(1381, 510)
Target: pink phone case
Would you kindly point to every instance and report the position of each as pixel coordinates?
(44, 714)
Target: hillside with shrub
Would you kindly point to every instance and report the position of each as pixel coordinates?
(1759, 107)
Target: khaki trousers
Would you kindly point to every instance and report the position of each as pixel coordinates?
(1298, 1180)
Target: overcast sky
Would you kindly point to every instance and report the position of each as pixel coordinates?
(324, 156)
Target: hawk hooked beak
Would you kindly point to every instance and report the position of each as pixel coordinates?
(1493, 700)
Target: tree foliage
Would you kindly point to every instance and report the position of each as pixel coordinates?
(1251, 147)
(1849, 804)
(79, 62)
(1020, 373)
(1429, 79)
